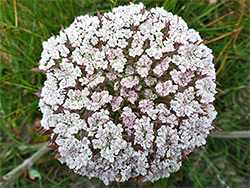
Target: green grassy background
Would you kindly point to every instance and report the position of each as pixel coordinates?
(20, 49)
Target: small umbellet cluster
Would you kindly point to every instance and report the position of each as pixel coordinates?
(128, 94)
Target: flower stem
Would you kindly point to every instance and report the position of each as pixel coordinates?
(13, 175)
(233, 134)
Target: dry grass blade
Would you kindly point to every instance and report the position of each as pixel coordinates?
(222, 64)
(222, 36)
(16, 21)
(9, 27)
(225, 47)
(242, 12)
(27, 31)
(234, 42)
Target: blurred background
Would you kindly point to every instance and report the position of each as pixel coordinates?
(23, 23)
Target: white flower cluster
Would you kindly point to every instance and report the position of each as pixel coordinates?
(128, 93)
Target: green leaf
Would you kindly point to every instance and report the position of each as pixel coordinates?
(33, 173)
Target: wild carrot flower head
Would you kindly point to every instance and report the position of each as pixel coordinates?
(128, 93)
